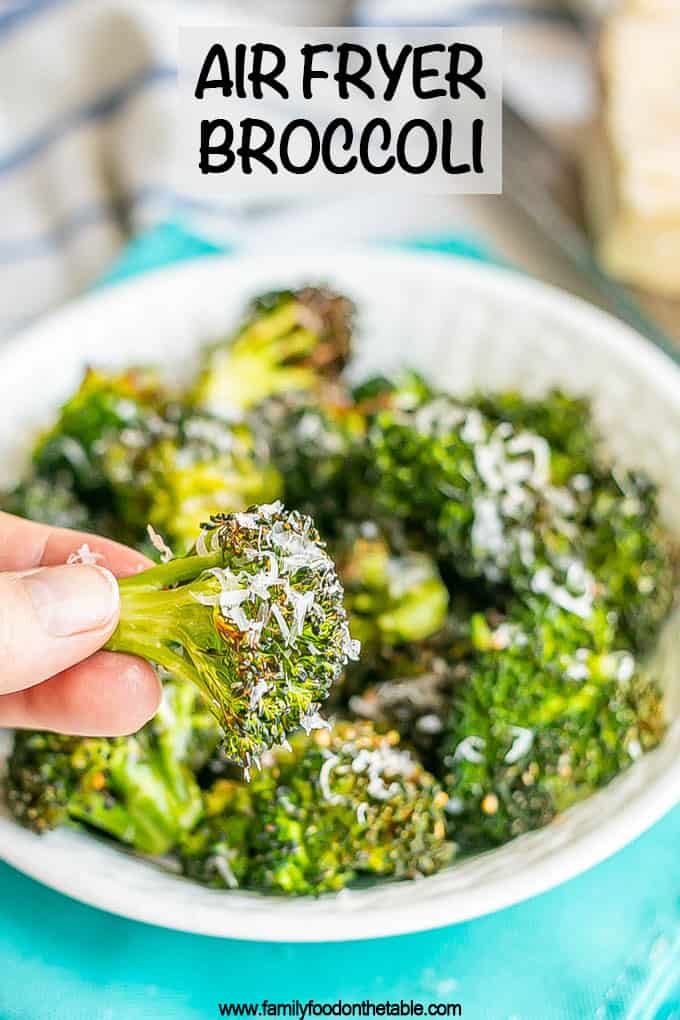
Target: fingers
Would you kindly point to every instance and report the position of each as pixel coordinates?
(51, 618)
(25, 545)
(106, 696)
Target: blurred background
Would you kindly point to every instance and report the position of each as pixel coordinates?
(88, 147)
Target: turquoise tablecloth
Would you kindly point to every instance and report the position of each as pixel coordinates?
(605, 945)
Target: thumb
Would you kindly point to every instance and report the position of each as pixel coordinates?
(52, 618)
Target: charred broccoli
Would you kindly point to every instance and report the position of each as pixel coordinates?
(253, 616)
(48, 502)
(43, 773)
(216, 852)
(139, 790)
(482, 492)
(506, 507)
(505, 591)
(317, 446)
(104, 407)
(628, 551)
(564, 421)
(391, 598)
(550, 712)
(409, 688)
(176, 478)
(337, 805)
(289, 341)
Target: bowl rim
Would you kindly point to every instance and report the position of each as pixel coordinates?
(344, 916)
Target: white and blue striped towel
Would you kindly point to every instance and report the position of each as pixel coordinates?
(88, 141)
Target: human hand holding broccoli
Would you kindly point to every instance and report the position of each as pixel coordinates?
(252, 616)
(55, 617)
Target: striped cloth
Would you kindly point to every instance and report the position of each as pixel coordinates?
(88, 142)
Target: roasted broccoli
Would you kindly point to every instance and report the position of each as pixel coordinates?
(564, 421)
(409, 687)
(48, 502)
(550, 712)
(176, 478)
(139, 790)
(391, 598)
(253, 616)
(104, 407)
(317, 445)
(216, 852)
(629, 553)
(337, 805)
(289, 341)
(43, 773)
(481, 492)
(506, 507)
(505, 579)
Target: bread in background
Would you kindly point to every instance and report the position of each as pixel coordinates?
(633, 158)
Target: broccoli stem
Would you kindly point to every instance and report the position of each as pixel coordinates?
(165, 575)
(153, 618)
(129, 642)
(252, 616)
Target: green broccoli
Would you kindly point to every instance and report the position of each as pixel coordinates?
(338, 805)
(506, 507)
(43, 773)
(317, 446)
(289, 341)
(139, 790)
(564, 421)
(505, 591)
(253, 616)
(50, 502)
(551, 711)
(405, 391)
(410, 687)
(629, 553)
(216, 852)
(482, 493)
(196, 466)
(104, 406)
(391, 598)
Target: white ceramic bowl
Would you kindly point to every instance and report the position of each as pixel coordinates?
(466, 326)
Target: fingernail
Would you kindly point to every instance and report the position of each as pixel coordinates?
(72, 600)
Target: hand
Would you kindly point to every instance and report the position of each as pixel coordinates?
(54, 618)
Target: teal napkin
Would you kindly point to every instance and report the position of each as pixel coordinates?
(604, 945)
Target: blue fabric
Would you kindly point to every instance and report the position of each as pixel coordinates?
(605, 945)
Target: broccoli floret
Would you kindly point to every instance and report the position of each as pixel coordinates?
(139, 790)
(289, 341)
(317, 447)
(216, 852)
(506, 507)
(405, 391)
(563, 420)
(391, 598)
(124, 446)
(338, 805)
(483, 493)
(104, 406)
(396, 600)
(551, 712)
(411, 687)
(48, 502)
(198, 465)
(253, 616)
(628, 552)
(43, 773)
